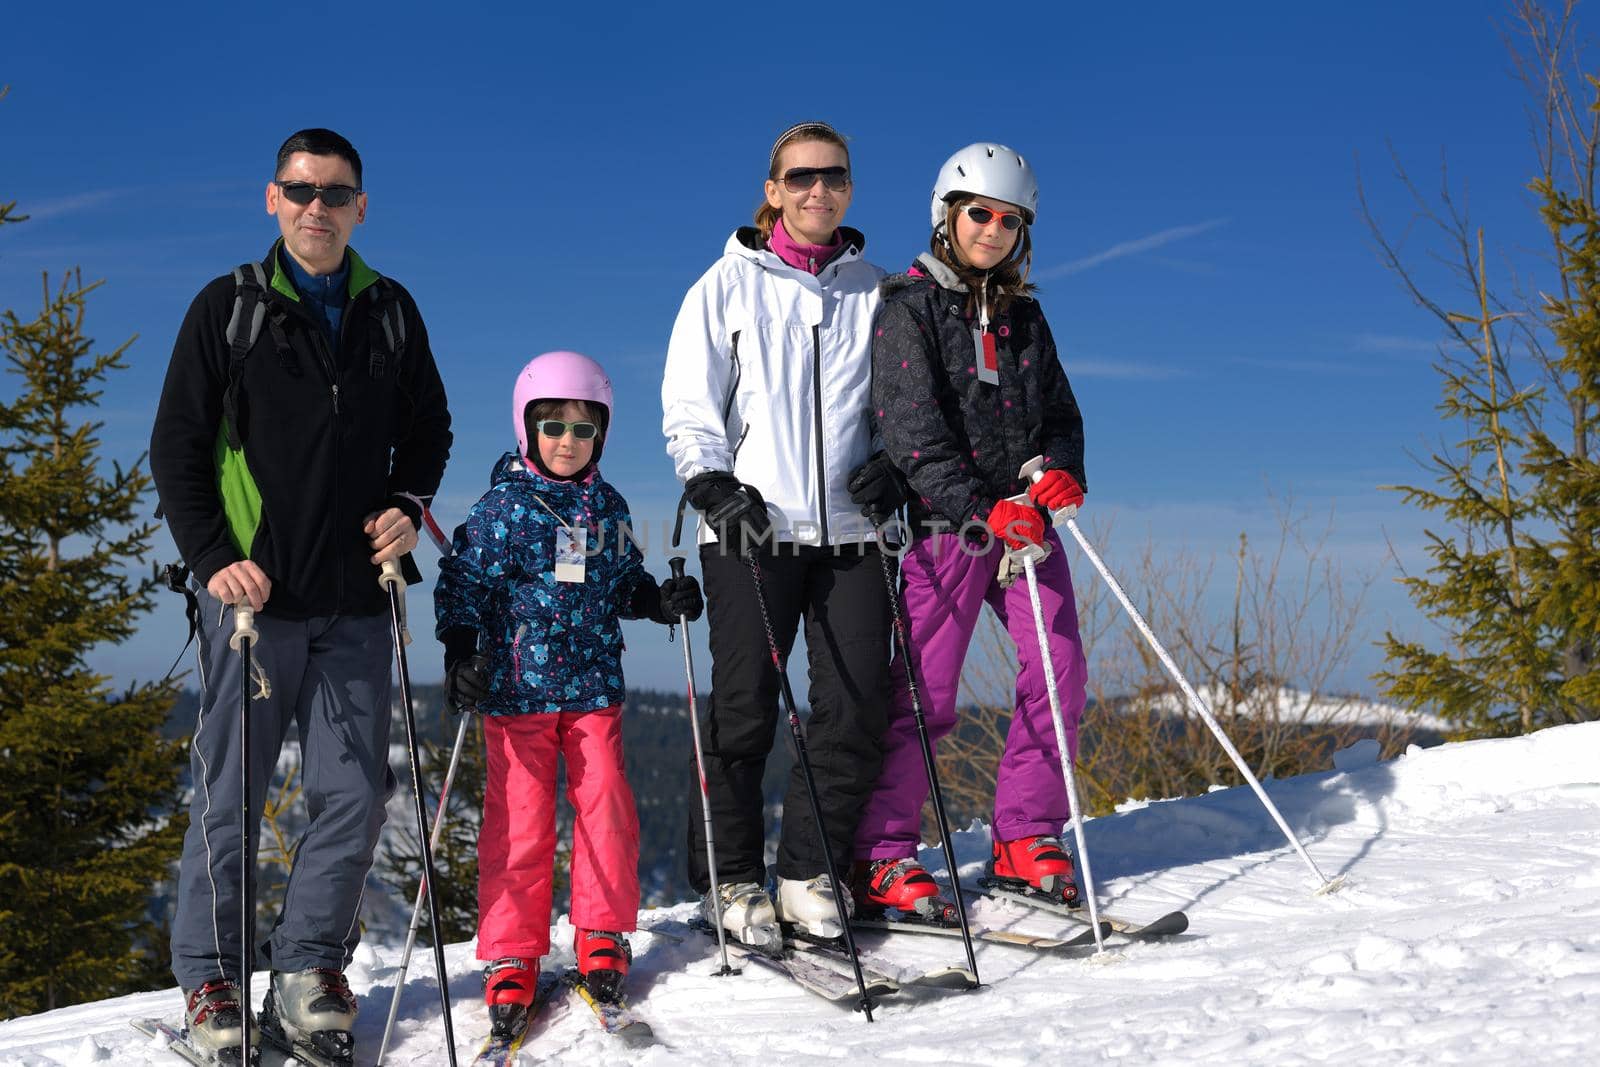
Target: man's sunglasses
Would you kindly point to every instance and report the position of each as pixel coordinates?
(304, 192)
(554, 428)
(981, 215)
(801, 179)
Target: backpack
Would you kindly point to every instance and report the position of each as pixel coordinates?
(250, 313)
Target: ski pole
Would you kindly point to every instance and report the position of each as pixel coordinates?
(927, 754)
(1200, 708)
(422, 890)
(676, 566)
(1061, 743)
(392, 581)
(1032, 471)
(798, 737)
(243, 641)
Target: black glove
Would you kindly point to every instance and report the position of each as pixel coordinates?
(878, 488)
(467, 684)
(734, 510)
(466, 670)
(680, 597)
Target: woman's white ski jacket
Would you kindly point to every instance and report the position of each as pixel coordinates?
(769, 375)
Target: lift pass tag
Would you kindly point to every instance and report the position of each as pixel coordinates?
(985, 356)
(570, 543)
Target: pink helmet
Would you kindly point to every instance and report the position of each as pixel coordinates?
(558, 375)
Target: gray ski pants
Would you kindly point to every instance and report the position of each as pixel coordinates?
(329, 678)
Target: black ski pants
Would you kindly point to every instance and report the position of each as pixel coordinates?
(840, 594)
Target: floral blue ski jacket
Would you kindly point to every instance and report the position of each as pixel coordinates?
(551, 646)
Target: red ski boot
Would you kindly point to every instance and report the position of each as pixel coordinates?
(1037, 863)
(906, 886)
(508, 988)
(603, 959)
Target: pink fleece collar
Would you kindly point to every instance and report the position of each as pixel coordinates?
(809, 258)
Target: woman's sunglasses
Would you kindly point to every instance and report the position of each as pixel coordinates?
(304, 192)
(981, 215)
(553, 428)
(801, 179)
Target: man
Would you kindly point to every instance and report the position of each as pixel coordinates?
(301, 426)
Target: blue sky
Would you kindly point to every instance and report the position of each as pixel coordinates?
(558, 179)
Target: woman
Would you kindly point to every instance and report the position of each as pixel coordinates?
(765, 399)
(967, 387)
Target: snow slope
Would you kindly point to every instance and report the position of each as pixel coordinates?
(1468, 931)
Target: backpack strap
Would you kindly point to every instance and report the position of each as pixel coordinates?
(244, 326)
(389, 324)
(175, 576)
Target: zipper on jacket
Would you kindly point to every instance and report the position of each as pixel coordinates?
(816, 397)
(733, 380)
(332, 365)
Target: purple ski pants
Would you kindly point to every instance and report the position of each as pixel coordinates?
(944, 585)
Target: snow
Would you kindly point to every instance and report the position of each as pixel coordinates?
(1467, 930)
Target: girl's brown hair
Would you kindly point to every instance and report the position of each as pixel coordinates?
(766, 215)
(1009, 277)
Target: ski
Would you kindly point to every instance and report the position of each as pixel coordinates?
(177, 1043)
(1078, 945)
(503, 1051)
(614, 1017)
(804, 969)
(1169, 925)
(875, 967)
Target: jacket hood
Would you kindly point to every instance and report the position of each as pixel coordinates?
(928, 266)
(510, 468)
(747, 242)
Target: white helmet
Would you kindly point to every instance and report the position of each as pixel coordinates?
(986, 169)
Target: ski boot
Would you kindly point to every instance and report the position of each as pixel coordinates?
(903, 886)
(314, 1010)
(509, 985)
(747, 915)
(211, 1022)
(1037, 865)
(808, 905)
(603, 959)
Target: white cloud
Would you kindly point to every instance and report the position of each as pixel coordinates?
(68, 205)
(1128, 248)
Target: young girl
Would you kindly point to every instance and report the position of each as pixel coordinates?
(527, 607)
(967, 388)
(765, 397)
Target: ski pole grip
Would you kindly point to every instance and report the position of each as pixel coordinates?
(244, 626)
(675, 565)
(390, 576)
(1058, 516)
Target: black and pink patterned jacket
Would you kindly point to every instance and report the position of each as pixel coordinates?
(961, 441)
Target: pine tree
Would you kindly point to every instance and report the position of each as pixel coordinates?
(1516, 576)
(87, 824)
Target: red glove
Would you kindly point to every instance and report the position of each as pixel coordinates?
(1056, 490)
(1016, 524)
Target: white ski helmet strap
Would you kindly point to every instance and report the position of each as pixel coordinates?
(986, 169)
(558, 375)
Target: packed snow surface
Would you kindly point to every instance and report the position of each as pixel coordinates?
(1467, 930)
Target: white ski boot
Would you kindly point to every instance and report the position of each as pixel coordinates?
(808, 903)
(313, 1010)
(747, 915)
(211, 1022)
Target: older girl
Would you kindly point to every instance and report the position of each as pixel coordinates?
(967, 388)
